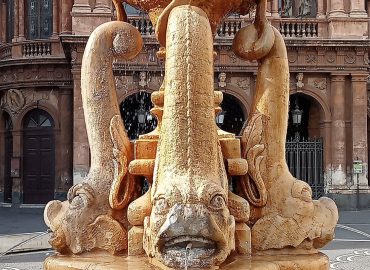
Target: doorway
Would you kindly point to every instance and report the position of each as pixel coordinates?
(38, 157)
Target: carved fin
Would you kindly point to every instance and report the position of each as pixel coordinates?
(123, 184)
(252, 184)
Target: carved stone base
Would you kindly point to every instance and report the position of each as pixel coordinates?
(103, 261)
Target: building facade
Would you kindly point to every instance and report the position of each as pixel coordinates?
(44, 147)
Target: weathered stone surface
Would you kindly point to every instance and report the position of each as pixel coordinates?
(103, 261)
(189, 217)
(89, 219)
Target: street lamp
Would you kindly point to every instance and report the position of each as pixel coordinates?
(141, 115)
(297, 115)
(220, 118)
(297, 120)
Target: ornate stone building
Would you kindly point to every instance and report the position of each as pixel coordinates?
(44, 147)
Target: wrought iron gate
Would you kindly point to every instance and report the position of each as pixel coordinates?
(305, 162)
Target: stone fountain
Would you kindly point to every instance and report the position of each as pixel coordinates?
(189, 219)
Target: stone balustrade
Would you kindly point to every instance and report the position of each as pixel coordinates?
(31, 49)
(297, 28)
(35, 49)
(289, 28)
(5, 52)
(229, 28)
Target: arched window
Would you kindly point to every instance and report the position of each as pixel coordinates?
(38, 119)
(9, 21)
(298, 9)
(39, 19)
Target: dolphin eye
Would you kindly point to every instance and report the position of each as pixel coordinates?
(160, 205)
(218, 201)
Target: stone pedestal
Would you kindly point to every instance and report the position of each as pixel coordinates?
(102, 261)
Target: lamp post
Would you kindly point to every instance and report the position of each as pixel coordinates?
(297, 119)
(141, 116)
(220, 118)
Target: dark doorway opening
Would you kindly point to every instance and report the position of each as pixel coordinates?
(231, 118)
(38, 157)
(304, 145)
(135, 112)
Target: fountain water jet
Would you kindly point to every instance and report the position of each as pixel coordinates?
(189, 218)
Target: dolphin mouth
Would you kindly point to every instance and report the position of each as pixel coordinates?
(196, 249)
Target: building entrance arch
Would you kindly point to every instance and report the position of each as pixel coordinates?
(38, 157)
(305, 142)
(231, 118)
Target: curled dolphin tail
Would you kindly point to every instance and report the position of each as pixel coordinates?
(109, 144)
(255, 41)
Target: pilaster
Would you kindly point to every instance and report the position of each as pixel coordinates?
(81, 149)
(337, 9)
(359, 125)
(358, 9)
(338, 131)
(275, 9)
(55, 19)
(66, 18)
(21, 14)
(16, 20)
(320, 9)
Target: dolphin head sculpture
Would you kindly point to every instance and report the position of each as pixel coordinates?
(190, 215)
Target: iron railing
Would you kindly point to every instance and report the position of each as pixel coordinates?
(305, 160)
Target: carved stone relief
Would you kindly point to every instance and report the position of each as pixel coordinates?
(244, 83)
(350, 58)
(14, 100)
(331, 57)
(318, 83)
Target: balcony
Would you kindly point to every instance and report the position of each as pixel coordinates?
(288, 27)
(32, 49)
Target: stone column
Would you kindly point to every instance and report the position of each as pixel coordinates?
(275, 9)
(102, 6)
(337, 9)
(66, 17)
(359, 124)
(358, 9)
(81, 6)
(325, 132)
(21, 14)
(55, 19)
(17, 187)
(16, 19)
(338, 129)
(2, 21)
(81, 149)
(320, 9)
(66, 139)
